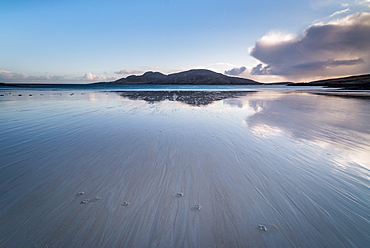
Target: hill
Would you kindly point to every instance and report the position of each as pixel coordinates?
(191, 77)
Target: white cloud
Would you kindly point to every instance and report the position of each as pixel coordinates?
(363, 3)
(94, 78)
(274, 37)
(339, 12)
(9, 76)
(319, 4)
(362, 18)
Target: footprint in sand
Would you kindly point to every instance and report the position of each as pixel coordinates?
(179, 194)
(262, 228)
(197, 207)
(85, 201)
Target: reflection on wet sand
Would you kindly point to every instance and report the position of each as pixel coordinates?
(194, 98)
(344, 94)
(341, 121)
(261, 169)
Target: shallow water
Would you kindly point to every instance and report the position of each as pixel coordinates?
(294, 162)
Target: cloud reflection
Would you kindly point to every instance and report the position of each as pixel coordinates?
(333, 123)
(265, 131)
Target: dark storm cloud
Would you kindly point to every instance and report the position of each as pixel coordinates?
(329, 63)
(323, 47)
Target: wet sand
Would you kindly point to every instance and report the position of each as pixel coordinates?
(260, 169)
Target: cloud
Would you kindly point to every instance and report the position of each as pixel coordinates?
(339, 12)
(363, 3)
(93, 78)
(328, 63)
(127, 72)
(235, 71)
(302, 122)
(9, 76)
(260, 70)
(338, 47)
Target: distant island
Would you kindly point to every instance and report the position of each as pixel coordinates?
(191, 77)
(360, 82)
(208, 77)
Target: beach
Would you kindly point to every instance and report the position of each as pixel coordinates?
(82, 168)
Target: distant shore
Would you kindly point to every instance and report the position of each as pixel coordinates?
(207, 77)
(360, 82)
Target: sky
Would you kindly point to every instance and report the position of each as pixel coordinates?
(80, 41)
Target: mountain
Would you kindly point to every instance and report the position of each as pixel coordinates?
(146, 78)
(360, 82)
(192, 77)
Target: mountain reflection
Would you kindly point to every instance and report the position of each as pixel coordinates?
(193, 98)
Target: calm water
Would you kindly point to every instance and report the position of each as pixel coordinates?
(269, 168)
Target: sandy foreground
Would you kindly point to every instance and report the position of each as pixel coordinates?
(118, 169)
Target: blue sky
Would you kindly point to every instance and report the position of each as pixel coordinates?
(86, 41)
